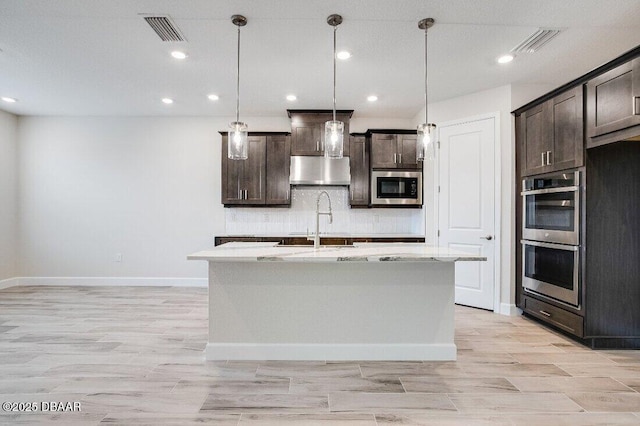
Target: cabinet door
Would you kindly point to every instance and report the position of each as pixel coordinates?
(359, 190)
(536, 139)
(384, 153)
(255, 171)
(407, 152)
(568, 137)
(613, 100)
(278, 165)
(307, 131)
(231, 180)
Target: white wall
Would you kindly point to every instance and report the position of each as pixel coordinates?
(145, 187)
(489, 101)
(8, 195)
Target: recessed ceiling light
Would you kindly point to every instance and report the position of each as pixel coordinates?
(343, 54)
(8, 99)
(213, 97)
(167, 100)
(291, 98)
(372, 98)
(179, 55)
(505, 59)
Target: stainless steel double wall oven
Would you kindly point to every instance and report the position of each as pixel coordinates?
(551, 254)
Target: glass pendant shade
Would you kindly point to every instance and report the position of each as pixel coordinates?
(238, 140)
(333, 139)
(238, 144)
(426, 139)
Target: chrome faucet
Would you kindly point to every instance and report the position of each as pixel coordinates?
(316, 236)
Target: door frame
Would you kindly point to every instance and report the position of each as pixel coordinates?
(497, 195)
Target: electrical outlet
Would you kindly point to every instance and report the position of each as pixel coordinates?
(117, 257)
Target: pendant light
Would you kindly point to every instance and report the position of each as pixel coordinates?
(334, 130)
(426, 131)
(238, 146)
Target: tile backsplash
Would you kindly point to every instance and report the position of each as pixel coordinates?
(300, 217)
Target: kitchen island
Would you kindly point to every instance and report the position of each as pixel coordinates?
(363, 302)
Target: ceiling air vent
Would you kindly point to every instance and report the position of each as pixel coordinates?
(536, 40)
(164, 27)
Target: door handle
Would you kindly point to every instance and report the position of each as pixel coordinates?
(488, 238)
(548, 158)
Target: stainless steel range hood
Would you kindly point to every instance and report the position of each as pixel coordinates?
(309, 170)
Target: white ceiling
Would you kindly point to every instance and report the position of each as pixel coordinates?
(96, 57)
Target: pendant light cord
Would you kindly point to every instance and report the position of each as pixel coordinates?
(335, 28)
(238, 81)
(426, 100)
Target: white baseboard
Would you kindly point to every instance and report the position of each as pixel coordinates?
(510, 309)
(330, 352)
(115, 281)
(11, 282)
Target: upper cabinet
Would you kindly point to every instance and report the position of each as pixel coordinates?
(261, 179)
(551, 134)
(393, 150)
(613, 104)
(278, 165)
(307, 130)
(359, 190)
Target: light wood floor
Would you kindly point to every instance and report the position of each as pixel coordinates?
(134, 355)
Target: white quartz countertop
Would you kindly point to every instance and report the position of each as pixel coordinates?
(359, 252)
(323, 235)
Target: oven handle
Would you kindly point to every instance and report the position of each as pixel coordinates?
(549, 245)
(551, 190)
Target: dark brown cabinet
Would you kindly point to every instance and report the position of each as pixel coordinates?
(551, 134)
(608, 269)
(261, 179)
(613, 104)
(334, 240)
(359, 192)
(307, 130)
(394, 150)
(278, 165)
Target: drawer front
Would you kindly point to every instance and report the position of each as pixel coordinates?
(562, 319)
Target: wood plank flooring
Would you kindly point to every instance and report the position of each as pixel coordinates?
(134, 356)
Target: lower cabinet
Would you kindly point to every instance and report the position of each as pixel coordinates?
(560, 318)
(328, 240)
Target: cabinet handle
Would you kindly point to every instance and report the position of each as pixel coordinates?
(548, 158)
(239, 194)
(542, 154)
(317, 145)
(636, 105)
(545, 313)
(399, 158)
(246, 194)
(395, 157)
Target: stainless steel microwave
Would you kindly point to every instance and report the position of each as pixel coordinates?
(396, 188)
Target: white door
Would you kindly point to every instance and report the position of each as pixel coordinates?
(466, 205)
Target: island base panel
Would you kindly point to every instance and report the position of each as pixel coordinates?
(331, 311)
